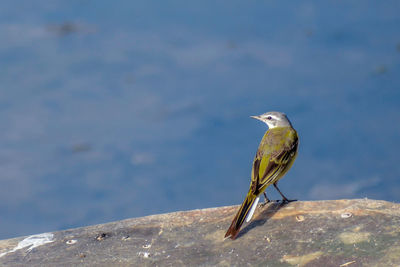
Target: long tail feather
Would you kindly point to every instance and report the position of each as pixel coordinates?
(253, 208)
(241, 215)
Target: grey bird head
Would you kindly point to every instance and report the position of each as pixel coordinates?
(274, 119)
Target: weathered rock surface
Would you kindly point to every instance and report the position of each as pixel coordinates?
(352, 233)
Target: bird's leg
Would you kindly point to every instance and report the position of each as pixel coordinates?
(284, 199)
(266, 200)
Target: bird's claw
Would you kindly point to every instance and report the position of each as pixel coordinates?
(285, 200)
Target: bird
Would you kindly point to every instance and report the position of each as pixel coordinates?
(274, 157)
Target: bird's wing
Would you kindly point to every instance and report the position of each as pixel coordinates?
(269, 164)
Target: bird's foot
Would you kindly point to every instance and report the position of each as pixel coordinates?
(274, 201)
(285, 200)
(265, 203)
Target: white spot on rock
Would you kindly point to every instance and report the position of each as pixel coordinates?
(32, 242)
(346, 215)
(144, 254)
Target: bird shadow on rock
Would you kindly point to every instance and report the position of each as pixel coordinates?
(263, 216)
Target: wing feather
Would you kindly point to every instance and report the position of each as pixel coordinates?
(271, 163)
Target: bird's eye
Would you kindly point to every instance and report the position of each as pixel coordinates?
(269, 118)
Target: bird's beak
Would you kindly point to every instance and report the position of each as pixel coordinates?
(256, 117)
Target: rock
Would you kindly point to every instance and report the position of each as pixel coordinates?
(358, 232)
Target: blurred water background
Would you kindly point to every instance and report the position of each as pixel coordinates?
(117, 109)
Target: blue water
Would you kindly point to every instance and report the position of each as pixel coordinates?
(118, 109)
